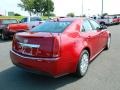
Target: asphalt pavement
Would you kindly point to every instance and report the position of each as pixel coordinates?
(103, 73)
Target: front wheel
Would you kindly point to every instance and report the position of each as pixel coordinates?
(102, 23)
(83, 64)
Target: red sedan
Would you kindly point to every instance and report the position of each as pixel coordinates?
(59, 47)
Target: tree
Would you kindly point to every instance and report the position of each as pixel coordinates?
(104, 14)
(17, 14)
(27, 5)
(44, 7)
(37, 6)
(70, 15)
(48, 7)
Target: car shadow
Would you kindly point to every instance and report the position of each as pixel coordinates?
(16, 79)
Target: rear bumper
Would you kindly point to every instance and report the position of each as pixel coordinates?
(36, 65)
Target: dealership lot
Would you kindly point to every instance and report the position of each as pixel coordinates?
(103, 73)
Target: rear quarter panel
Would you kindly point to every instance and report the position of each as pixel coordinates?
(71, 47)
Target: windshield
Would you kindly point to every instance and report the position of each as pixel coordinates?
(9, 21)
(51, 26)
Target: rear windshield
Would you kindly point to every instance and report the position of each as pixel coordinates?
(9, 21)
(50, 26)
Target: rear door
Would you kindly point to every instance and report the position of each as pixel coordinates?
(101, 34)
(91, 36)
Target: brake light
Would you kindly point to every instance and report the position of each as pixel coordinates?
(13, 43)
(56, 47)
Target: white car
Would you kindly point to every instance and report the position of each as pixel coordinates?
(32, 21)
(106, 20)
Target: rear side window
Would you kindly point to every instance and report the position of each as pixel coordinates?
(51, 26)
(35, 19)
(9, 21)
(87, 26)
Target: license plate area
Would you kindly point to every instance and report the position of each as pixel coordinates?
(25, 50)
(28, 49)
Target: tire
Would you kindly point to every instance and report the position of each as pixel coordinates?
(102, 23)
(3, 36)
(83, 64)
(107, 47)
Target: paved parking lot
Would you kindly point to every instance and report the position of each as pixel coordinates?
(103, 73)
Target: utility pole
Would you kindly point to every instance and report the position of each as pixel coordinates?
(82, 7)
(102, 8)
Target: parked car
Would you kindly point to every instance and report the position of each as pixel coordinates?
(115, 20)
(104, 20)
(32, 21)
(60, 47)
(8, 27)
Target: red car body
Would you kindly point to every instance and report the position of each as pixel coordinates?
(115, 20)
(57, 54)
(8, 27)
(18, 27)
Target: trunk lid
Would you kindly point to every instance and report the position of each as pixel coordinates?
(34, 44)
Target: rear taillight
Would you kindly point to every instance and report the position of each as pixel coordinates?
(56, 47)
(13, 43)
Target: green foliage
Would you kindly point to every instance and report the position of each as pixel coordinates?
(16, 17)
(27, 5)
(37, 6)
(48, 7)
(70, 15)
(104, 14)
(50, 14)
(17, 14)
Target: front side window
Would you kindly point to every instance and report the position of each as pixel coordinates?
(51, 26)
(87, 26)
(9, 21)
(95, 25)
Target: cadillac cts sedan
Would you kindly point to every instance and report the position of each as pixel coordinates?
(59, 47)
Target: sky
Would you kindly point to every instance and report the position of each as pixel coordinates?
(62, 7)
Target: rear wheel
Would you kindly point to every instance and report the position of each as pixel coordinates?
(102, 23)
(83, 64)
